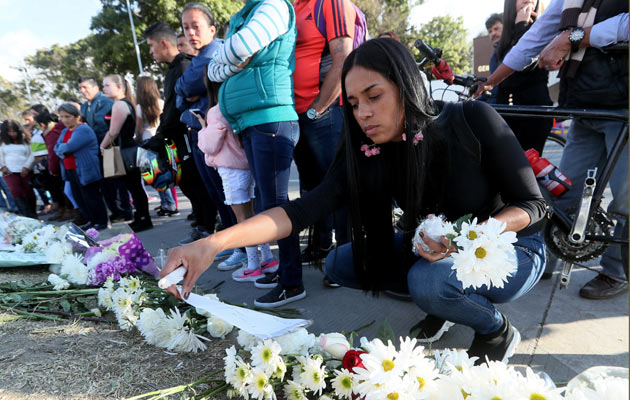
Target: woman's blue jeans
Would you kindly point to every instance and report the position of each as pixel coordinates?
(269, 149)
(436, 290)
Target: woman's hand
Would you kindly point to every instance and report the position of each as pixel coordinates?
(525, 11)
(196, 257)
(201, 120)
(25, 171)
(441, 249)
(5, 171)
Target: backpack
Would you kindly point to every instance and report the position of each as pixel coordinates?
(360, 24)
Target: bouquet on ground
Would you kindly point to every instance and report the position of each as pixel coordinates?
(485, 252)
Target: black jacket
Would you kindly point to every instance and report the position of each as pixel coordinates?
(170, 126)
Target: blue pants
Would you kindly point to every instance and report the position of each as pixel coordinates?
(9, 198)
(314, 154)
(212, 182)
(588, 145)
(269, 149)
(436, 290)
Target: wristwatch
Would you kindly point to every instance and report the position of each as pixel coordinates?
(312, 114)
(575, 37)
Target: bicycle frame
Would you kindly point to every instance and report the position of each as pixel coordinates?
(603, 176)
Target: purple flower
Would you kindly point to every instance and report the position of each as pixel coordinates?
(92, 233)
(115, 267)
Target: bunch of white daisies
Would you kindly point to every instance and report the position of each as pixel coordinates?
(485, 253)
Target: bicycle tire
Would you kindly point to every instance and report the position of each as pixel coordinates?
(554, 145)
(624, 249)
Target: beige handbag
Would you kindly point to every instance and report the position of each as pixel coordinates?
(113, 164)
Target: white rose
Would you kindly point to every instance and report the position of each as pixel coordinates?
(218, 328)
(334, 344)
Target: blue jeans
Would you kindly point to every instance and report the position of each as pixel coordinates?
(588, 144)
(9, 198)
(269, 149)
(212, 182)
(167, 202)
(314, 154)
(435, 289)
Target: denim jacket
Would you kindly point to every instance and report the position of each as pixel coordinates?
(83, 146)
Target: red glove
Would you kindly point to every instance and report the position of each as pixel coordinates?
(443, 71)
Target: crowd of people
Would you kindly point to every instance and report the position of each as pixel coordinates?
(301, 82)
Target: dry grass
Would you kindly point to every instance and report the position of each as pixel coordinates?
(84, 360)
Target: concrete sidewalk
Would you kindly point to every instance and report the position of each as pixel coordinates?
(562, 333)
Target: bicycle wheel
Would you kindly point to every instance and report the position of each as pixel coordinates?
(554, 145)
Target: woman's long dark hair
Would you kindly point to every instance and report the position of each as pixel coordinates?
(148, 97)
(400, 170)
(509, 16)
(14, 126)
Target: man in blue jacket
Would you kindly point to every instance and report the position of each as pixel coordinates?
(94, 111)
(199, 28)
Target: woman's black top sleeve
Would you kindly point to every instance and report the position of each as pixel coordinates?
(322, 201)
(506, 170)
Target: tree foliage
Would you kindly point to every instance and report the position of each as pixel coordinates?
(12, 100)
(390, 15)
(449, 34)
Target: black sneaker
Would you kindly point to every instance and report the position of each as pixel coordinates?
(499, 346)
(310, 254)
(280, 296)
(268, 281)
(120, 218)
(191, 217)
(430, 329)
(167, 213)
(195, 235)
(330, 283)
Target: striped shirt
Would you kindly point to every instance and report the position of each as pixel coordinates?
(38, 146)
(270, 20)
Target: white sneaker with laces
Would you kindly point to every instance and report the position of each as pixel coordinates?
(234, 261)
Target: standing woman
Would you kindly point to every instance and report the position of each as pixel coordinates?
(527, 87)
(78, 150)
(122, 130)
(255, 64)
(16, 161)
(148, 109)
(432, 158)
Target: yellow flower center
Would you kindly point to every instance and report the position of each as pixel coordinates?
(392, 396)
(261, 382)
(480, 252)
(421, 382)
(242, 373)
(536, 396)
(472, 235)
(346, 383)
(316, 377)
(388, 365)
(266, 354)
(459, 368)
(496, 398)
(464, 393)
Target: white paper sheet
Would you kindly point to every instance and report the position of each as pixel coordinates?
(261, 325)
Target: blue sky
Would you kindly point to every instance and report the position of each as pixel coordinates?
(27, 25)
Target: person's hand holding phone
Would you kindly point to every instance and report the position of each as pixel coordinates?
(197, 113)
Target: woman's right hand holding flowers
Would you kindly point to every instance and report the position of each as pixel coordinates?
(440, 250)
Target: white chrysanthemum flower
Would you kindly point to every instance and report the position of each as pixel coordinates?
(297, 342)
(495, 230)
(396, 388)
(294, 391)
(534, 387)
(280, 371)
(266, 355)
(74, 270)
(433, 227)
(451, 359)
(239, 377)
(259, 386)
(449, 387)
(149, 323)
(127, 319)
(246, 340)
(381, 361)
(410, 353)
(181, 337)
(109, 283)
(343, 383)
(483, 263)
(230, 358)
(469, 232)
(105, 298)
(58, 282)
(218, 328)
(56, 252)
(312, 374)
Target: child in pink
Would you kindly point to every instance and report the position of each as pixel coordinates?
(224, 152)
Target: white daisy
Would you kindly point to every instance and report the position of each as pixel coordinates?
(312, 374)
(294, 391)
(533, 386)
(266, 355)
(259, 386)
(482, 263)
(468, 233)
(451, 359)
(381, 361)
(343, 383)
(246, 340)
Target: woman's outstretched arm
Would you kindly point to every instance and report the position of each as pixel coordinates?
(196, 257)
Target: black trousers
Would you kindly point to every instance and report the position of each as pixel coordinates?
(89, 198)
(133, 183)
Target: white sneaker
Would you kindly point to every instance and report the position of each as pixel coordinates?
(234, 261)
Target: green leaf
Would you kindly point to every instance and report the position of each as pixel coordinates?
(65, 305)
(385, 332)
(458, 223)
